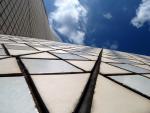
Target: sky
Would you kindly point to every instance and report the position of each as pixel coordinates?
(122, 25)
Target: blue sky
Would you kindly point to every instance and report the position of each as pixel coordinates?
(115, 24)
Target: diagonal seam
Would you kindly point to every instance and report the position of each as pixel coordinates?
(85, 102)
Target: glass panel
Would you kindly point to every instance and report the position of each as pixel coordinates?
(48, 66)
(20, 52)
(58, 51)
(110, 97)
(15, 96)
(43, 48)
(18, 47)
(147, 75)
(144, 66)
(40, 55)
(86, 65)
(125, 61)
(8, 66)
(62, 92)
(2, 52)
(108, 69)
(108, 60)
(89, 57)
(132, 68)
(137, 82)
(69, 56)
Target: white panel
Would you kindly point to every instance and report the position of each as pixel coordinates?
(132, 68)
(15, 96)
(20, 52)
(86, 65)
(8, 66)
(40, 55)
(136, 82)
(48, 66)
(62, 92)
(110, 97)
(108, 69)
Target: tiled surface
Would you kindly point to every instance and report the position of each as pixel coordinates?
(60, 92)
(147, 75)
(69, 56)
(61, 77)
(8, 66)
(23, 18)
(48, 66)
(40, 55)
(15, 96)
(85, 65)
(137, 82)
(112, 98)
(132, 68)
(21, 52)
(109, 69)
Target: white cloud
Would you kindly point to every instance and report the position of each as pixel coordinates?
(142, 14)
(69, 18)
(114, 46)
(108, 16)
(111, 45)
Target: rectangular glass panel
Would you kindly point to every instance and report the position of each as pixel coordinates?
(15, 96)
(62, 92)
(132, 68)
(110, 97)
(48, 66)
(137, 82)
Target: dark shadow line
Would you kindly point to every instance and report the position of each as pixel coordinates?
(35, 94)
(85, 101)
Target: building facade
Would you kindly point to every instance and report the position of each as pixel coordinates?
(24, 18)
(41, 76)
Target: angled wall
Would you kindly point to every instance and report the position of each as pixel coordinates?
(24, 18)
(54, 77)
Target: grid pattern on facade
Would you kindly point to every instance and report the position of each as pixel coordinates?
(14, 16)
(52, 77)
(24, 18)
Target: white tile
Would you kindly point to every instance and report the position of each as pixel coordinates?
(136, 61)
(110, 97)
(58, 51)
(20, 52)
(40, 55)
(123, 60)
(132, 68)
(48, 66)
(2, 52)
(143, 66)
(43, 49)
(3, 56)
(8, 66)
(136, 82)
(62, 92)
(85, 65)
(107, 56)
(69, 56)
(15, 96)
(147, 75)
(108, 60)
(108, 69)
(90, 57)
